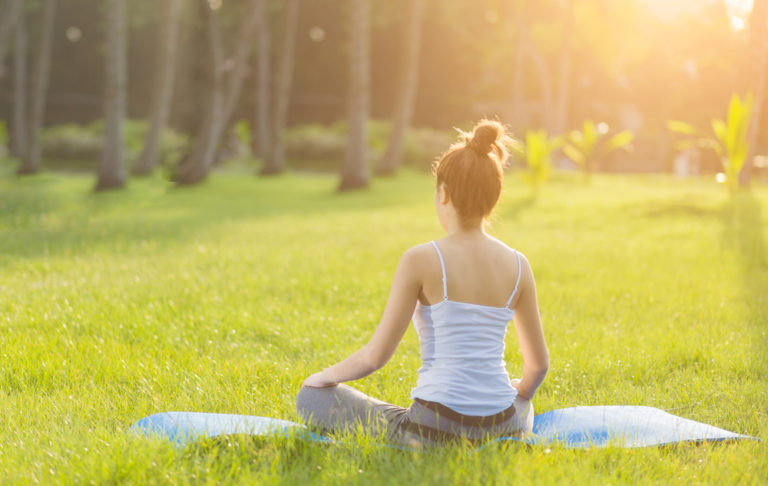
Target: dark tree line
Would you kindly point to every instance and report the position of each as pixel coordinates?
(213, 62)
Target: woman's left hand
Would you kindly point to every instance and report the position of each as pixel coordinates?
(319, 380)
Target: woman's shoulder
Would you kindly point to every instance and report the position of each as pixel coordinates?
(419, 252)
(416, 260)
(506, 248)
(514, 257)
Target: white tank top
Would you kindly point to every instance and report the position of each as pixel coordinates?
(462, 353)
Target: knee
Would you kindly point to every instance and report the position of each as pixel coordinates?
(302, 399)
(308, 399)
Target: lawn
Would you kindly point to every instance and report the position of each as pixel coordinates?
(223, 297)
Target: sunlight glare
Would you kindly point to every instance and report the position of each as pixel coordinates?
(73, 34)
(491, 16)
(317, 34)
(738, 12)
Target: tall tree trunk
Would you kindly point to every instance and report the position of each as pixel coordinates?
(195, 168)
(260, 137)
(112, 169)
(275, 162)
(563, 88)
(245, 44)
(163, 92)
(545, 83)
(31, 161)
(355, 173)
(192, 169)
(759, 47)
(8, 19)
(404, 111)
(19, 129)
(517, 114)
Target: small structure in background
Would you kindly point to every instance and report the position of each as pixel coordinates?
(687, 163)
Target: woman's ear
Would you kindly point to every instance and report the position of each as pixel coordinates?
(443, 194)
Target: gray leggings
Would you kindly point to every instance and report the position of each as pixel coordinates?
(342, 408)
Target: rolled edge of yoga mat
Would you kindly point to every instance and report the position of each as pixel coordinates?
(182, 427)
(621, 426)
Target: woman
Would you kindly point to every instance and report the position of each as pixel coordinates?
(465, 288)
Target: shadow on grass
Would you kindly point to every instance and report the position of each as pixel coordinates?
(52, 214)
(743, 233)
(516, 207)
(672, 208)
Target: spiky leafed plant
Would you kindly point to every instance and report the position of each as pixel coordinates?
(586, 147)
(728, 139)
(536, 152)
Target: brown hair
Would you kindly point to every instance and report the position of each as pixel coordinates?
(473, 170)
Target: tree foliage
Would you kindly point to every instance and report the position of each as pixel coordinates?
(728, 137)
(536, 152)
(586, 147)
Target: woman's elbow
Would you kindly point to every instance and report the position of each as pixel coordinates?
(375, 363)
(540, 368)
(544, 370)
(373, 360)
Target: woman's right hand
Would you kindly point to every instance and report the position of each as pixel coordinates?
(319, 380)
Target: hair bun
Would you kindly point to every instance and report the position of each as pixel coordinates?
(484, 136)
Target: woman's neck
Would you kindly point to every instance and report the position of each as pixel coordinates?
(466, 231)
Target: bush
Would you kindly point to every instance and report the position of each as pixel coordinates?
(324, 146)
(315, 142)
(3, 139)
(424, 145)
(79, 147)
(71, 142)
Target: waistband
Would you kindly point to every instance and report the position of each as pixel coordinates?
(468, 420)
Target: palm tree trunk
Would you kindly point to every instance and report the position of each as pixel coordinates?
(517, 114)
(163, 92)
(355, 173)
(260, 138)
(404, 111)
(545, 83)
(195, 169)
(759, 41)
(192, 169)
(19, 139)
(31, 161)
(563, 89)
(243, 52)
(112, 170)
(275, 162)
(8, 19)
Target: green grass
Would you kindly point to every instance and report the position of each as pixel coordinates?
(223, 297)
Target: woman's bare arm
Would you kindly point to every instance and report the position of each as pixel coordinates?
(397, 315)
(530, 335)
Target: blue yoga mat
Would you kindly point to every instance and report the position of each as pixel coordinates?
(578, 427)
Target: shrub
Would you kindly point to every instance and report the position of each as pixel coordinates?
(424, 145)
(71, 143)
(315, 142)
(3, 139)
(536, 152)
(324, 146)
(79, 147)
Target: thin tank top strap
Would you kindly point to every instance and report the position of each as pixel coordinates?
(519, 273)
(442, 268)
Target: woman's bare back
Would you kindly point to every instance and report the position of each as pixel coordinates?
(479, 270)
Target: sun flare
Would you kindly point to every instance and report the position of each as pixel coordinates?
(738, 10)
